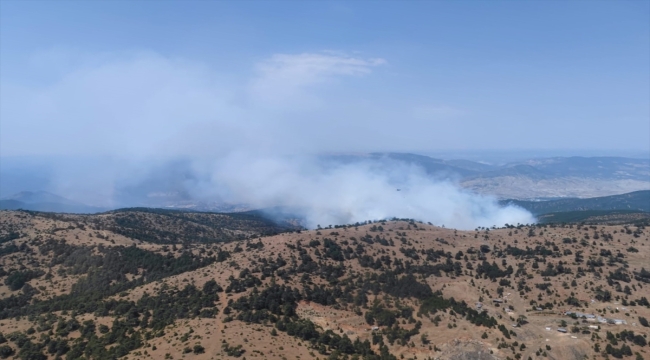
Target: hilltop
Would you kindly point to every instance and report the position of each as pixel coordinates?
(143, 284)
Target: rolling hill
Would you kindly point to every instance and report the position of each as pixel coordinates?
(151, 284)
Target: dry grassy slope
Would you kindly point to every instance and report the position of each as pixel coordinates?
(464, 340)
(153, 226)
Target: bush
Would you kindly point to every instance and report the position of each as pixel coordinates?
(6, 351)
(234, 351)
(198, 349)
(643, 321)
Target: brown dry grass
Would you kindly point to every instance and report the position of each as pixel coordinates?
(259, 343)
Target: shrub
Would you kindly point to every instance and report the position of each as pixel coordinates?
(198, 349)
(6, 351)
(643, 321)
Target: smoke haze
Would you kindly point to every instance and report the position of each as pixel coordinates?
(356, 192)
(150, 127)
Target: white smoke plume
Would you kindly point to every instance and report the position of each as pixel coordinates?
(138, 112)
(356, 192)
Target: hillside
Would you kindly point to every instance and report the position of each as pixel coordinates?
(142, 284)
(595, 217)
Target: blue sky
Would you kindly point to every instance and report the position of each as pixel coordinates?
(202, 78)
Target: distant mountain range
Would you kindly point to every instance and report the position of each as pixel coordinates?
(576, 166)
(549, 178)
(565, 180)
(45, 201)
(626, 206)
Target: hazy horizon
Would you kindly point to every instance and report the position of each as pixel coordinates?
(234, 101)
(40, 172)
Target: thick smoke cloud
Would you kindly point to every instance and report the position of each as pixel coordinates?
(348, 193)
(150, 128)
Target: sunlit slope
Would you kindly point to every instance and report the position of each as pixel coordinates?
(75, 286)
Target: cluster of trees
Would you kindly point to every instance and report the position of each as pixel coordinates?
(619, 274)
(552, 270)
(402, 336)
(528, 253)
(105, 271)
(245, 281)
(234, 351)
(643, 275)
(9, 236)
(618, 353)
(436, 302)
(17, 279)
(332, 250)
(381, 316)
(277, 304)
(133, 323)
(625, 336)
(493, 271)
(9, 249)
